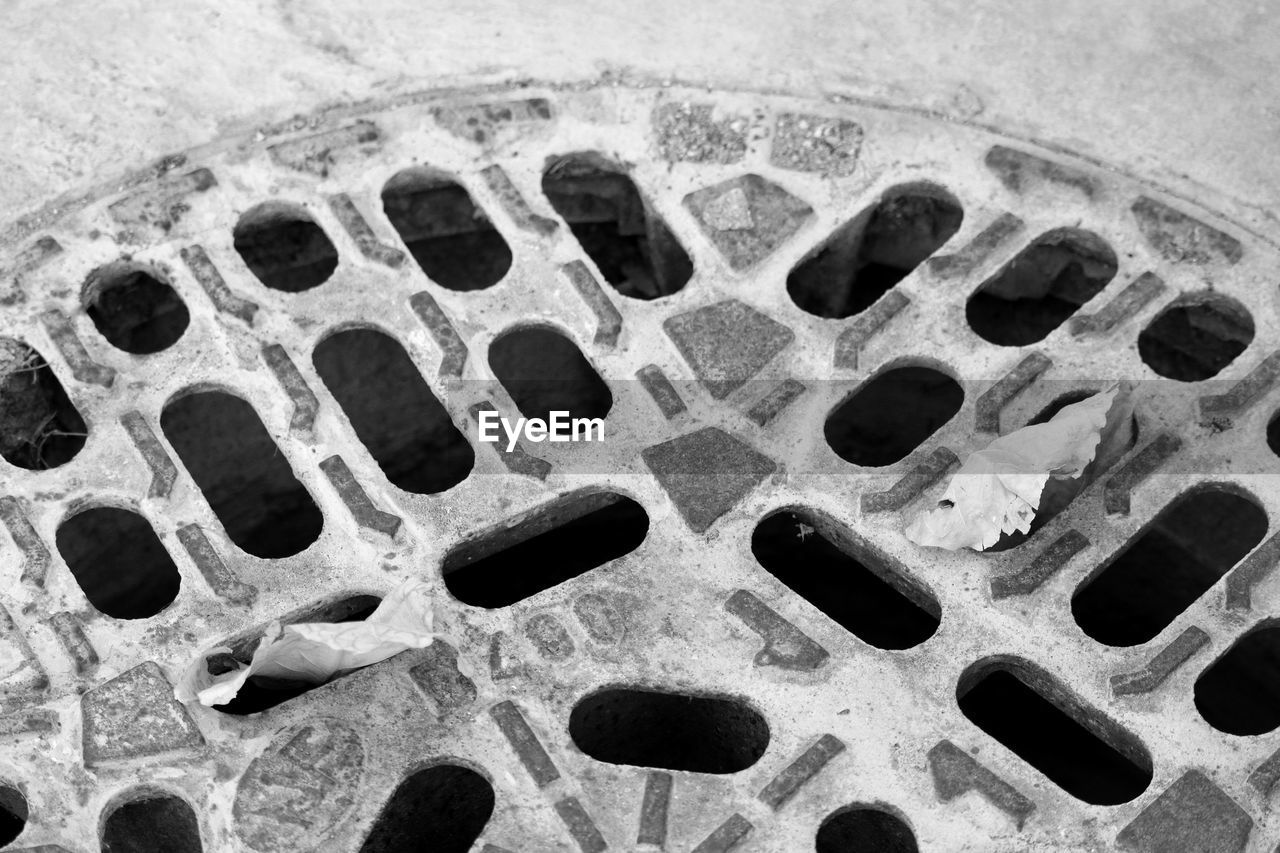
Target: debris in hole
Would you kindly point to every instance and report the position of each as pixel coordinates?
(1193, 340)
(865, 258)
(133, 309)
(999, 489)
(629, 243)
(315, 652)
(1039, 289)
(448, 234)
(39, 428)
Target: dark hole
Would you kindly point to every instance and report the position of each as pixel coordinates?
(441, 809)
(1273, 434)
(891, 415)
(867, 257)
(119, 562)
(1067, 747)
(629, 243)
(260, 694)
(284, 248)
(864, 830)
(1059, 494)
(242, 474)
(135, 311)
(393, 411)
(543, 371)
(1191, 544)
(448, 235)
(571, 538)
(1047, 413)
(671, 731)
(1040, 288)
(877, 606)
(39, 427)
(13, 814)
(1240, 693)
(1194, 342)
(153, 825)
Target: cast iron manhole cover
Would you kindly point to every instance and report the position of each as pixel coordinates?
(245, 385)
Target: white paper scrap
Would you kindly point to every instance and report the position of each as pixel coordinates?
(998, 489)
(314, 652)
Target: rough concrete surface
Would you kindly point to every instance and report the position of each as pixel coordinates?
(1179, 91)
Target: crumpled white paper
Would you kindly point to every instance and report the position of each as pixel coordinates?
(998, 489)
(315, 652)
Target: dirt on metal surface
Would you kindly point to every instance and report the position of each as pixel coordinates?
(632, 654)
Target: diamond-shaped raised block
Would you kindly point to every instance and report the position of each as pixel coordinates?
(726, 343)
(134, 715)
(706, 473)
(747, 218)
(1192, 814)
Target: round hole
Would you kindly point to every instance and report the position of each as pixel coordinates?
(13, 814)
(864, 829)
(1194, 341)
(445, 231)
(1273, 434)
(284, 248)
(134, 310)
(154, 823)
(892, 414)
(671, 731)
(1240, 692)
(545, 372)
(119, 562)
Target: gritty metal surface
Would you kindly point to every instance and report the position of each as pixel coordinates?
(748, 195)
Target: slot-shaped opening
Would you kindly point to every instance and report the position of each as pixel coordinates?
(670, 731)
(867, 256)
(244, 477)
(1081, 751)
(441, 809)
(119, 562)
(629, 243)
(284, 247)
(1239, 693)
(827, 567)
(449, 236)
(864, 829)
(546, 548)
(153, 823)
(134, 308)
(13, 814)
(393, 411)
(545, 372)
(1039, 289)
(1196, 337)
(261, 694)
(39, 426)
(892, 414)
(1189, 546)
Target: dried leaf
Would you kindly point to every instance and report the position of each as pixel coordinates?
(315, 652)
(998, 489)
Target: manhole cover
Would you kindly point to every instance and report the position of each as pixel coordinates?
(246, 385)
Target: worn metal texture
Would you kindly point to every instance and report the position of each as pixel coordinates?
(741, 381)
